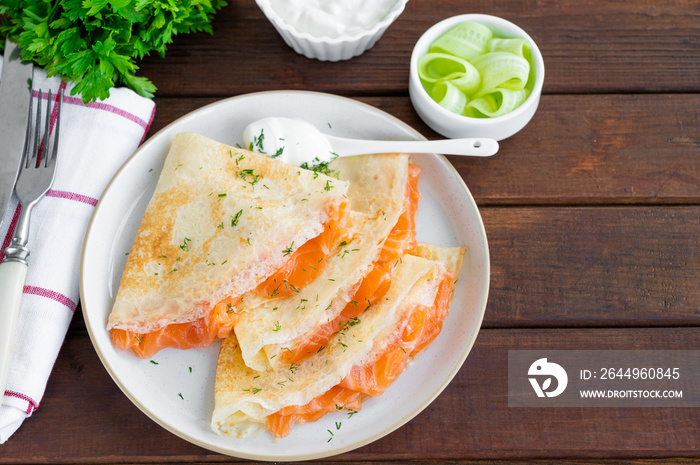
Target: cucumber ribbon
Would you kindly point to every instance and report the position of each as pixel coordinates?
(436, 67)
(472, 73)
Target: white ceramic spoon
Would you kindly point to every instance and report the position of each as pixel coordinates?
(473, 147)
(297, 142)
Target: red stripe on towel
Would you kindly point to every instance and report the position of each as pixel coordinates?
(72, 196)
(148, 126)
(100, 106)
(53, 295)
(33, 405)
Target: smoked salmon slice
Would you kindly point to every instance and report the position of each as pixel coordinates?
(304, 264)
(376, 283)
(373, 287)
(403, 236)
(336, 398)
(199, 333)
(423, 323)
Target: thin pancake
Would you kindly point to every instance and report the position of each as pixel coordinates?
(245, 398)
(269, 325)
(220, 221)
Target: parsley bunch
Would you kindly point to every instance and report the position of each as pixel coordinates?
(95, 42)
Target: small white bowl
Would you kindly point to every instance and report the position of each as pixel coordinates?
(453, 125)
(327, 48)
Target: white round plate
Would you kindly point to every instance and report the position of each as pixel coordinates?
(176, 388)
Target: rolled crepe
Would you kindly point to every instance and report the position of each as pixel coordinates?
(271, 327)
(249, 402)
(221, 221)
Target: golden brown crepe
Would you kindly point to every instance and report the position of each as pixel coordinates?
(220, 221)
(270, 325)
(249, 402)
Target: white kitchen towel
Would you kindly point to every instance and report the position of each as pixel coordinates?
(95, 140)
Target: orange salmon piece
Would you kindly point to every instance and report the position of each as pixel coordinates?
(375, 285)
(336, 398)
(199, 333)
(422, 327)
(223, 316)
(423, 324)
(306, 262)
(403, 236)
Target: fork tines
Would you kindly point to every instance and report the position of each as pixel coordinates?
(40, 148)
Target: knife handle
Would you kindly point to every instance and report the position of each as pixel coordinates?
(12, 277)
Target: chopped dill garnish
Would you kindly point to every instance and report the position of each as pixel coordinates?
(186, 244)
(245, 174)
(258, 141)
(234, 219)
(321, 168)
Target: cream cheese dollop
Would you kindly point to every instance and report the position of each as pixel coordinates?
(292, 141)
(332, 18)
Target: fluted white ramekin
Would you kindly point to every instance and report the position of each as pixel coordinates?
(327, 48)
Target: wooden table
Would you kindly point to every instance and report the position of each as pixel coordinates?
(592, 214)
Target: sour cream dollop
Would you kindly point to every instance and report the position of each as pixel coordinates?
(293, 141)
(332, 18)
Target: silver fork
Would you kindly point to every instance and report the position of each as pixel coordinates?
(33, 181)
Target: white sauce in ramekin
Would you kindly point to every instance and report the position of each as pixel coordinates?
(332, 18)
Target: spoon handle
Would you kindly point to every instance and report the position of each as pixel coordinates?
(475, 147)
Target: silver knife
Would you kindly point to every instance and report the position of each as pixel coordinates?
(15, 93)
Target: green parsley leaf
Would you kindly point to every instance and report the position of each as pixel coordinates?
(96, 43)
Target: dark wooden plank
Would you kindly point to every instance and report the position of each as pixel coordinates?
(589, 46)
(595, 149)
(582, 149)
(84, 418)
(626, 266)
